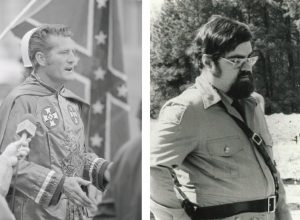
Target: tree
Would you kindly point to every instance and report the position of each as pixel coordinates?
(275, 25)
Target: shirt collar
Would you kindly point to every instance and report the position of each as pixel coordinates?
(211, 95)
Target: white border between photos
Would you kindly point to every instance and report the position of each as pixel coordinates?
(146, 110)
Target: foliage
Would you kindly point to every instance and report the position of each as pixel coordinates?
(275, 25)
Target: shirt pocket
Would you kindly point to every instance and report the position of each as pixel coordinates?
(224, 153)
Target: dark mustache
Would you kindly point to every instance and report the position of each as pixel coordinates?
(244, 74)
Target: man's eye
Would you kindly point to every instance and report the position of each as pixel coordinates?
(236, 60)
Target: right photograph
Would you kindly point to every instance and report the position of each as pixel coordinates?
(225, 110)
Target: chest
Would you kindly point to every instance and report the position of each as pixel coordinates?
(58, 115)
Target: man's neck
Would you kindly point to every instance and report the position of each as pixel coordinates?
(48, 81)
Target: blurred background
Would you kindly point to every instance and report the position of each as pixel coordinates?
(108, 38)
(276, 28)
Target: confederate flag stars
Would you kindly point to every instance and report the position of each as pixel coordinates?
(101, 3)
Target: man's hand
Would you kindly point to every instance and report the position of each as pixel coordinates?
(18, 149)
(107, 172)
(74, 192)
(8, 159)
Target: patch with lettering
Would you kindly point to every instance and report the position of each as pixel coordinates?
(172, 113)
(73, 114)
(50, 117)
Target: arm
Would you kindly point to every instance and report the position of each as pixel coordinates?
(282, 211)
(8, 160)
(174, 141)
(96, 170)
(34, 181)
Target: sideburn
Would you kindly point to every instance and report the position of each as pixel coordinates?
(216, 71)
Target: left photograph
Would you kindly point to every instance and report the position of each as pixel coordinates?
(70, 109)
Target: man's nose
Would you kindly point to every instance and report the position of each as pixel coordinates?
(71, 58)
(246, 66)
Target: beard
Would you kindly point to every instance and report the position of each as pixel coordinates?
(243, 86)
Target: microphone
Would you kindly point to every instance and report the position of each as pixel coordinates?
(27, 127)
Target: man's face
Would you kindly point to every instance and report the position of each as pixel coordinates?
(236, 71)
(61, 59)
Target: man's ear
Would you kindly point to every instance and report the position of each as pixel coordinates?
(40, 58)
(210, 65)
(207, 61)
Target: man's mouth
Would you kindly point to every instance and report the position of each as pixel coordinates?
(69, 69)
(244, 75)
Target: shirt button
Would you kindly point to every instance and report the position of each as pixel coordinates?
(226, 149)
(237, 218)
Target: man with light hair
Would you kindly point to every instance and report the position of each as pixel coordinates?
(52, 182)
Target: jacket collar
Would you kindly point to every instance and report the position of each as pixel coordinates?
(38, 79)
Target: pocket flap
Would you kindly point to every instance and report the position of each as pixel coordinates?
(225, 146)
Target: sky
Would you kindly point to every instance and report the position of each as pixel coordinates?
(155, 6)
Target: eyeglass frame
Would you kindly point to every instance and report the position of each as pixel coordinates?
(242, 61)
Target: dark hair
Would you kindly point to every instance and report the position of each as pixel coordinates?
(38, 41)
(217, 37)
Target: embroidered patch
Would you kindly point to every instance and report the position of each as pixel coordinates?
(73, 164)
(50, 117)
(73, 114)
(173, 113)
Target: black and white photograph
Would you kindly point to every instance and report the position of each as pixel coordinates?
(70, 109)
(224, 108)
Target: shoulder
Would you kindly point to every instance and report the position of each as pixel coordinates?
(19, 95)
(190, 97)
(259, 99)
(184, 106)
(71, 95)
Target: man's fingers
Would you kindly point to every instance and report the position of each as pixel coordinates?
(24, 149)
(23, 152)
(83, 199)
(13, 160)
(21, 143)
(83, 182)
(74, 191)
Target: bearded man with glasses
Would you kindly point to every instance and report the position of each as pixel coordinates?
(212, 156)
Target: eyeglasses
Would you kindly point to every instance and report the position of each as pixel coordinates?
(238, 62)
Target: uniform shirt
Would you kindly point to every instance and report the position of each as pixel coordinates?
(215, 161)
(56, 151)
